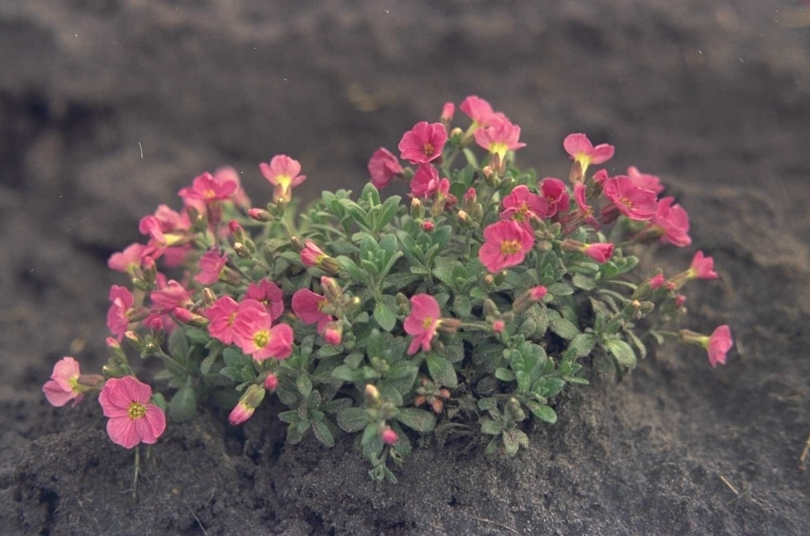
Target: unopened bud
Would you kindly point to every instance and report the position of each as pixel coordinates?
(498, 326)
(296, 244)
(448, 111)
(184, 316)
(209, 297)
(464, 219)
(389, 437)
(149, 270)
(448, 325)
(271, 382)
(330, 265)
(487, 283)
(260, 215)
(237, 231)
(427, 226)
(470, 198)
(91, 381)
(241, 251)
(514, 410)
(477, 212)
(331, 288)
(135, 340)
(680, 299)
(373, 398)
(490, 309)
(417, 209)
(333, 332)
(456, 133)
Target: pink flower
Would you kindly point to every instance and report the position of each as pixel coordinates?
(506, 244)
(425, 181)
(702, 267)
(333, 333)
(498, 326)
(583, 214)
(521, 204)
(389, 437)
(553, 190)
(172, 295)
(448, 111)
(312, 255)
(63, 385)
(228, 174)
(118, 313)
(240, 413)
(383, 168)
(599, 252)
(268, 294)
(208, 189)
(538, 293)
(133, 418)
(629, 199)
(680, 299)
(480, 111)
(645, 181)
(499, 139)
(427, 226)
(422, 323)
(672, 221)
(656, 281)
(719, 344)
(128, 260)
(257, 337)
(271, 382)
(211, 265)
(283, 173)
(222, 316)
(582, 151)
(423, 143)
(308, 307)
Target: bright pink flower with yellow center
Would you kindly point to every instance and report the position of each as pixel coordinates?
(423, 143)
(644, 180)
(425, 181)
(283, 173)
(506, 244)
(222, 315)
(133, 418)
(556, 196)
(481, 113)
(208, 189)
(308, 306)
(228, 174)
(383, 167)
(702, 267)
(211, 265)
(120, 310)
(581, 150)
(169, 296)
(499, 139)
(521, 204)
(257, 337)
(632, 201)
(672, 222)
(127, 261)
(422, 322)
(268, 294)
(63, 385)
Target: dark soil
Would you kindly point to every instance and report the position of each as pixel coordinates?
(712, 95)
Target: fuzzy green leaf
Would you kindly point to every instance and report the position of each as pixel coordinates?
(323, 434)
(303, 384)
(183, 405)
(580, 346)
(583, 282)
(352, 419)
(417, 419)
(384, 316)
(622, 351)
(490, 427)
(442, 371)
(543, 412)
(564, 328)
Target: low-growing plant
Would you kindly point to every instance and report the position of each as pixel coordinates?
(468, 308)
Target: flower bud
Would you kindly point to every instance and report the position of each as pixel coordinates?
(417, 209)
(90, 382)
(209, 298)
(456, 133)
(241, 251)
(330, 265)
(470, 198)
(498, 326)
(680, 299)
(464, 220)
(477, 212)
(448, 111)
(296, 244)
(184, 316)
(135, 340)
(373, 398)
(149, 270)
(514, 410)
(271, 382)
(260, 215)
(427, 226)
(333, 332)
(331, 288)
(490, 309)
(237, 231)
(448, 325)
(389, 437)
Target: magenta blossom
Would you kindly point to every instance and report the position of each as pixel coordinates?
(308, 306)
(425, 181)
(389, 437)
(283, 172)
(383, 168)
(211, 265)
(268, 294)
(656, 281)
(499, 139)
(629, 199)
(521, 204)
(448, 111)
(672, 222)
(599, 252)
(207, 189)
(481, 113)
(127, 261)
(719, 344)
(506, 244)
(556, 196)
(228, 174)
(171, 295)
(222, 316)
(63, 385)
(582, 151)
(423, 143)
(644, 180)
(702, 267)
(257, 337)
(120, 310)
(422, 322)
(133, 418)
(312, 255)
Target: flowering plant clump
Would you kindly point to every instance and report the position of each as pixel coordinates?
(469, 307)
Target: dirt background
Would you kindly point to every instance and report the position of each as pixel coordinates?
(712, 95)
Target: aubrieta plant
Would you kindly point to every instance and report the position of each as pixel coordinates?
(467, 308)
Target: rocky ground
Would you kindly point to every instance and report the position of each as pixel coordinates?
(108, 108)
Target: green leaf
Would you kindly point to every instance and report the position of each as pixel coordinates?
(564, 328)
(543, 412)
(208, 362)
(178, 345)
(347, 374)
(352, 419)
(581, 345)
(289, 417)
(622, 351)
(504, 374)
(583, 282)
(303, 384)
(384, 316)
(183, 405)
(462, 305)
(417, 419)
(511, 444)
(354, 271)
(323, 434)
(548, 387)
(490, 427)
(642, 349)
(560, 289)
(442, 371)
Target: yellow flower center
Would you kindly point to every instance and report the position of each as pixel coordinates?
(498, 148)
(283, 181)
(510, 247)
(322, 304)
(261, 338)
(136, 410)
(428, 149)
(427, 322)
(626, 202)
(231, 318)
